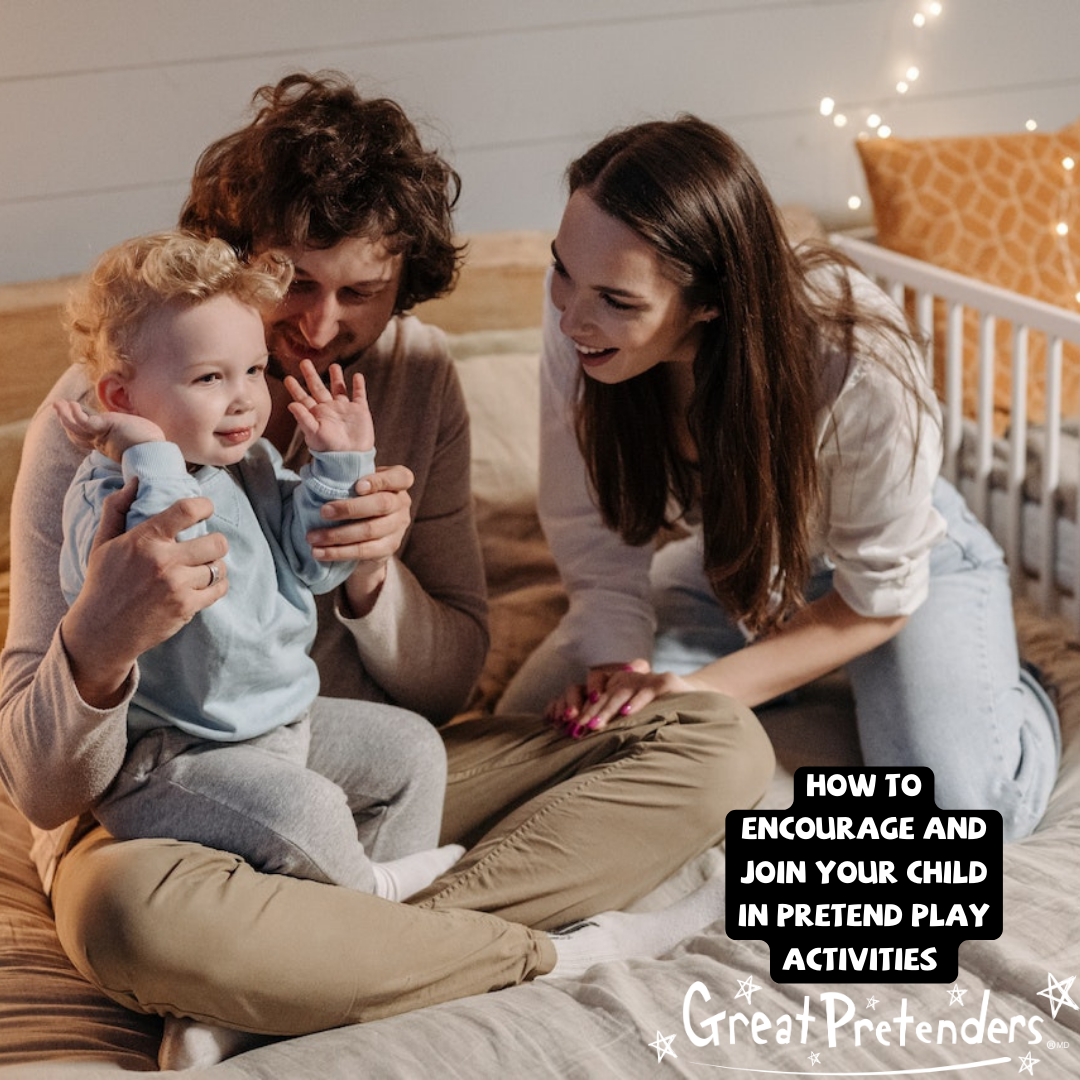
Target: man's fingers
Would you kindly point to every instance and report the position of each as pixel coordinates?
(114, 511)
(180, 516)
(386, 478)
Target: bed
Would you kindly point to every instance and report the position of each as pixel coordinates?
(1013, 1006)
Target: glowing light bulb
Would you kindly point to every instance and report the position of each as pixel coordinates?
(873, 120)
(912, 73)
(827, 105)
(919, 20)
(901, 87)
(1031, 125)
(1068, 164)
(935, 9)
(854, 202)
(884, 131)
(1077, 298)
(1062, 228)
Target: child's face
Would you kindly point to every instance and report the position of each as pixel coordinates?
(202, 379)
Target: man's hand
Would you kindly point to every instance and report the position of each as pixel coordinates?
(372, 529)
(141, 587)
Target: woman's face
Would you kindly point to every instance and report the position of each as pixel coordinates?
(619, 309)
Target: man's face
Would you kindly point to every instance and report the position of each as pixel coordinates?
(339, 303)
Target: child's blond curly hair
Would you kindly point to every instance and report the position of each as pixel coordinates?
(136, 279)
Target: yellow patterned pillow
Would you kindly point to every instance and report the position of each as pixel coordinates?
(987, 206)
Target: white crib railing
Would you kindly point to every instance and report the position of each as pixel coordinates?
(1015, 482)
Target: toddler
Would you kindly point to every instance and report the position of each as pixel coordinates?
(169, 330)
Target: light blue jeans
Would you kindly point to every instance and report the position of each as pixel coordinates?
(947, 692)
(320, 798)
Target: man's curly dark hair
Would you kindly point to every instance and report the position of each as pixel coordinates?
(319, 164)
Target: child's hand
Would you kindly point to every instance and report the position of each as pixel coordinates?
(110, 432)
(331, 419)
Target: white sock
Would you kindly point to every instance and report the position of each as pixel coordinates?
(618, 935)
(401, 878)
(190, 1044)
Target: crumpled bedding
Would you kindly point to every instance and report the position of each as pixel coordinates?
(619, 1019)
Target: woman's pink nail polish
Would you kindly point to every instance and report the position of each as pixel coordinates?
(594, 697)
(625, 710)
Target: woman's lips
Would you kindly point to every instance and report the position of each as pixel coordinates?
(593, 357)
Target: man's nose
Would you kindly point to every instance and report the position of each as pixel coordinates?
(319, 321)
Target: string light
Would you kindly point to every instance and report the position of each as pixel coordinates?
(1062, 229)
(873, 121)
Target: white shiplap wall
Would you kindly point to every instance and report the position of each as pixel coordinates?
(105, 104)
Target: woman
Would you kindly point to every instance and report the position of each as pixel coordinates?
(344, 186)
(699, 373)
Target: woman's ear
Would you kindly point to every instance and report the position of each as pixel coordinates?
(112, 392)
(705, 314)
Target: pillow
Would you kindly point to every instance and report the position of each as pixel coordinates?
(500, 377)
(986, 206)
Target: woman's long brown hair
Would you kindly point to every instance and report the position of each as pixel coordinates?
(690, 191)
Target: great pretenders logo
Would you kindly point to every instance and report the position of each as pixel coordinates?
(968, 1029)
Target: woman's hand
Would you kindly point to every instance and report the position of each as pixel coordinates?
(109, 432)
(610, 691)
(141, 587)
(374, 523)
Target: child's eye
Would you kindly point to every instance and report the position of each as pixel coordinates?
(209, 377)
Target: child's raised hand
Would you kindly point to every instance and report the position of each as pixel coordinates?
(331, 419)
(110, 432)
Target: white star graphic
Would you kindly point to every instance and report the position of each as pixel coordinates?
(872, 1003)
(1060, 988)
(662, 1046)
(1029, 1063)
(815, 1059)
(956, 995)
(746, 988)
